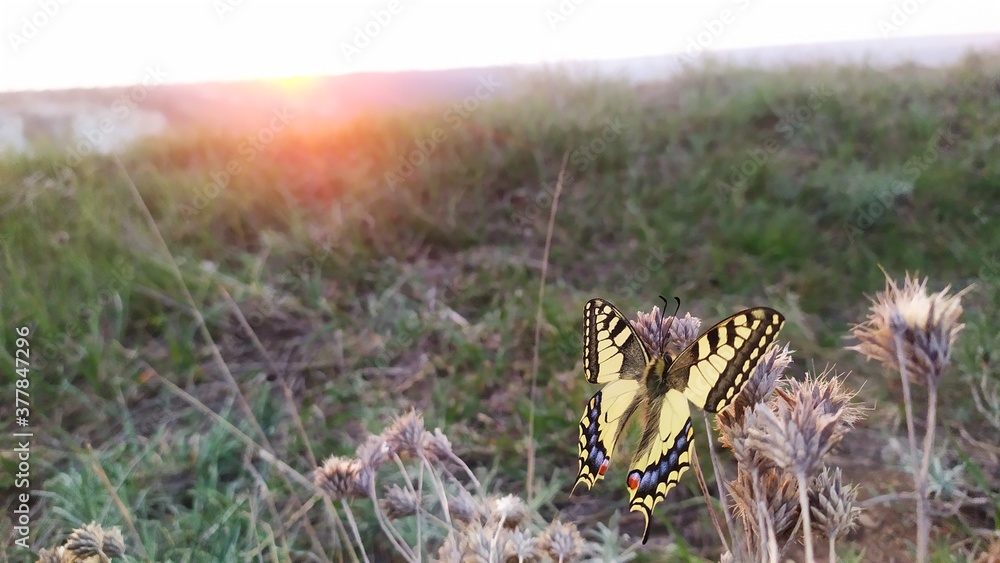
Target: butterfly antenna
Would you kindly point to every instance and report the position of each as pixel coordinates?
(665, 331)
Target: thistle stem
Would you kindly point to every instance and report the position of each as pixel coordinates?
(704, 493)
(908, 407)
(924, 523)
(806, 517)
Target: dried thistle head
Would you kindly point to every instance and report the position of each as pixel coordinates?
(683, 331)
(399, 503)
(758, 388)
(437, 446)
(827, 394)
(463, 508)
(794, 437)
(562, 542)
(373, 452)
(509, 510)
(908, 324)
(653, 329)
(775, 491)
(56, 555)
(86, 541)
(523, 547)
(476, 542)
(833, 504)
(737, 438)
(406, 435)
(342, 477)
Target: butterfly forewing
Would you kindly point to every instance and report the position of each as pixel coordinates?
(719, 362)
(611, 349)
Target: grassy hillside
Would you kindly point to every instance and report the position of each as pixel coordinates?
(395, 262)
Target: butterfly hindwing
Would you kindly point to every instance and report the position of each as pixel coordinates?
(663, 456)
(603, 420)
(611, 349)
(719, 362)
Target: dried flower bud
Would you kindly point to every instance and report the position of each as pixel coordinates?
(86, 541)
(342, 477)
(562, 542)
(908, 323)
(399, 503)
(510, 510)
(406, 435)
(833, 503)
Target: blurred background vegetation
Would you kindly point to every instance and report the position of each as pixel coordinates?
(393, 261)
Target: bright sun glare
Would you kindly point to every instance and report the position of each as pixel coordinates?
(85, 43)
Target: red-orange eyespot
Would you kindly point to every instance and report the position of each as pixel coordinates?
(604, 467)
(633, 480)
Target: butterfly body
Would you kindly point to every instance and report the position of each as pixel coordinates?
(640, 375)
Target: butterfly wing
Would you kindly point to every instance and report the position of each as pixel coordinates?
(612, 354)
(611, 349)
(663, 455)
(602, 424)
(714, 368)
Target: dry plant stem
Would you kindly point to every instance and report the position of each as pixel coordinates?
(206, 334)
(113, 491)
(530, 481)
(439, 488)
(468, 472)
(496, 537)
(354, 528)
(922, 540)
(720, 479)
(765, 528)
(707, 497)
(420, 501)
(831, 548)
(389, 530)
(339, 525)
(806, 517)
(924, 523)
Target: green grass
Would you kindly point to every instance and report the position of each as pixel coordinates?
(373, 297)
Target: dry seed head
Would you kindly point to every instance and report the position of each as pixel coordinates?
(373, 452)
(463, 508)
(406, 435)
(683, 331)
(114, 543)
(86, 541)
(562, 542)
(652, 329)
(924, 325)
(449, 551)
(795, 438)
(778, 493)
(833, 503)
(437, 446)
(57, 555)
(476, 543)
(342, 477)
(523, 547)
(510, 510)
(727, 557)
(736, 438)
(758, 389)
(828, 394)
(399, 503)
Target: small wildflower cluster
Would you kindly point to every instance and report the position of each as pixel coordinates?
(88, 544)
(455, 523)
(781, 433)
(913, 332)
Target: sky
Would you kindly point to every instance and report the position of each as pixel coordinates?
(87, 43)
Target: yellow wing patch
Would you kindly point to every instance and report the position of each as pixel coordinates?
(603, 421)
(719, 362)
(611, 349)
(664, 454)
